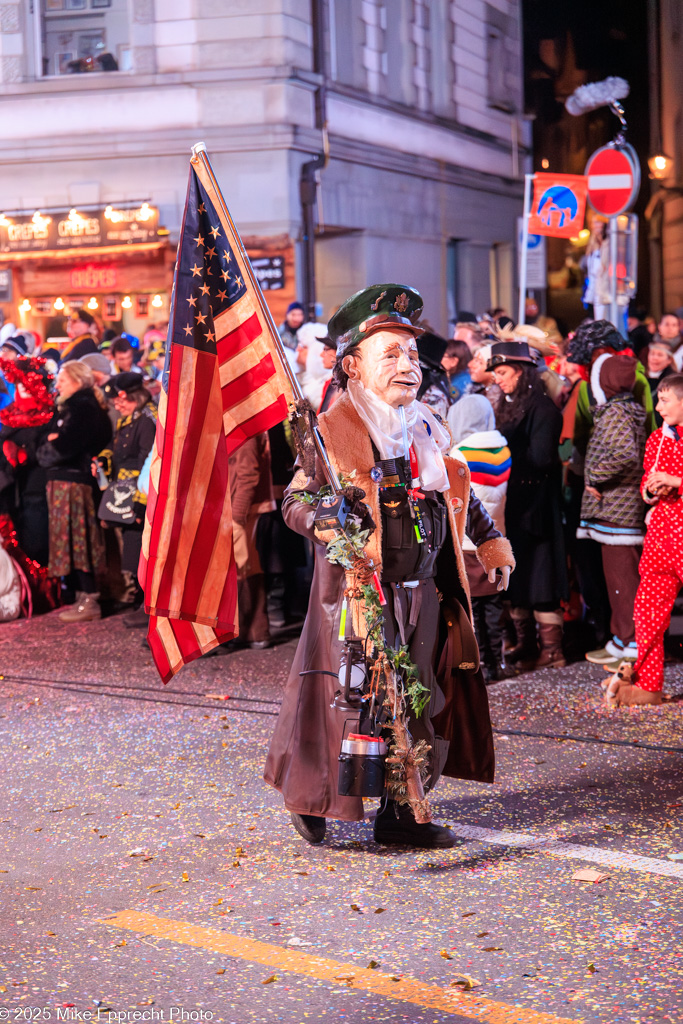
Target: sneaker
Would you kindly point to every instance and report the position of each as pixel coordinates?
(628, 653)
(87, 609)
(601, 657)
(611, 666)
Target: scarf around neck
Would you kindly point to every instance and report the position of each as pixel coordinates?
(427, 436)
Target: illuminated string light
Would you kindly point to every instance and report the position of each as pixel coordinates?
(157, 301)
(126, 302)
(59, 303)
(40, 221)
(93, 304)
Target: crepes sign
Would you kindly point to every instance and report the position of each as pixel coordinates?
(71, 229)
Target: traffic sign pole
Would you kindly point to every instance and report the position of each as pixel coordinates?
(613, 174)
(521, 311)
(613, 241)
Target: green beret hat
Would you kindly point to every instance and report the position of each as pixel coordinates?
(377, 308)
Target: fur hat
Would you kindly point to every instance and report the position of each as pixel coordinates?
(591, 335)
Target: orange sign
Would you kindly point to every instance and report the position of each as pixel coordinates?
(559, 205)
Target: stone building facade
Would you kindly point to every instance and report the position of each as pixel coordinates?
(417, 105)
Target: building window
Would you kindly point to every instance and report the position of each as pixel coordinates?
(79, 36)
(501, 33)
(374, 15)
(422, 64)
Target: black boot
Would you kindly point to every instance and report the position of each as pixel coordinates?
(395, 825)
(496, 672)
(310, 827)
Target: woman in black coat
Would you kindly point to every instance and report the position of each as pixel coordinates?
(81, 430)
(532, 424)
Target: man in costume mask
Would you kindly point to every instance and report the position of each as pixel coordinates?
(418, 505)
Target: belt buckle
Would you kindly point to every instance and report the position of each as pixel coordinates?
(409, 584)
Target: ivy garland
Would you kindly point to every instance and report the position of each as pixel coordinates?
(346, 549)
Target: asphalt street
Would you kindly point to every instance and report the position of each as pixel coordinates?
(148, 873)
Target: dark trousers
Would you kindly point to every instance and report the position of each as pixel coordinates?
(487, 613)
(620, 564)
(421, 639)
(33, 527)
(251, 600)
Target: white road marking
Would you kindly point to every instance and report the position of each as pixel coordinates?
(570, 851)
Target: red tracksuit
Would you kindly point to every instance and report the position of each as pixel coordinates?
(661, 567)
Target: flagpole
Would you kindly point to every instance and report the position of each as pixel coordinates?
(199, 153)
(521, 312)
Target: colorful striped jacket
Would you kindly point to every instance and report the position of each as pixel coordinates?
(488, 457)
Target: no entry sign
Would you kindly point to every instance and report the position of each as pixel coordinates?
(613, 176)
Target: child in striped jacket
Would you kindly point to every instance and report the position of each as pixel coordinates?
(472, 424)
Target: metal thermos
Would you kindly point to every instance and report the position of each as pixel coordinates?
(361, 765)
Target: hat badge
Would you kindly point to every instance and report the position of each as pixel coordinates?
(401, 303)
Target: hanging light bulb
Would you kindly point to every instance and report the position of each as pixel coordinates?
(4, 221)
(59, 303)
(126, 302)
(145, 213)
(157, 301)
(661, 166)
(40, 221)
(93, 304)
(25, 307)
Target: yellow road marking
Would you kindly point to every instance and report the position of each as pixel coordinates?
(472, 1007)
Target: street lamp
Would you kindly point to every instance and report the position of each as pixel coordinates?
(660, 166)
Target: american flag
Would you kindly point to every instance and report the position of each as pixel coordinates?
(223, 383)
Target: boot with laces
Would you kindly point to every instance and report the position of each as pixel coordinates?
(86, 609)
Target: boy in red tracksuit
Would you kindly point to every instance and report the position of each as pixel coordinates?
(661, 567)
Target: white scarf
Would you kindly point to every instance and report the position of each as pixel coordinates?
(425, 434)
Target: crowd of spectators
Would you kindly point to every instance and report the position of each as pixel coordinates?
(77, 425)
(552, 424)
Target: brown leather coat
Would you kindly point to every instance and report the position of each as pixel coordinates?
(302, 760)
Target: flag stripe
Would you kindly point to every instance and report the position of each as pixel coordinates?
(245, 386)
(161, 521)
(192, 409)
(211, 551)
(238, 339)
(250, 406)
(204, 505)
(181, 373)
(221, 559)
(263, 420)
(247, 360)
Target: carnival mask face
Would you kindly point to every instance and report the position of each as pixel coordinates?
(387, 364)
